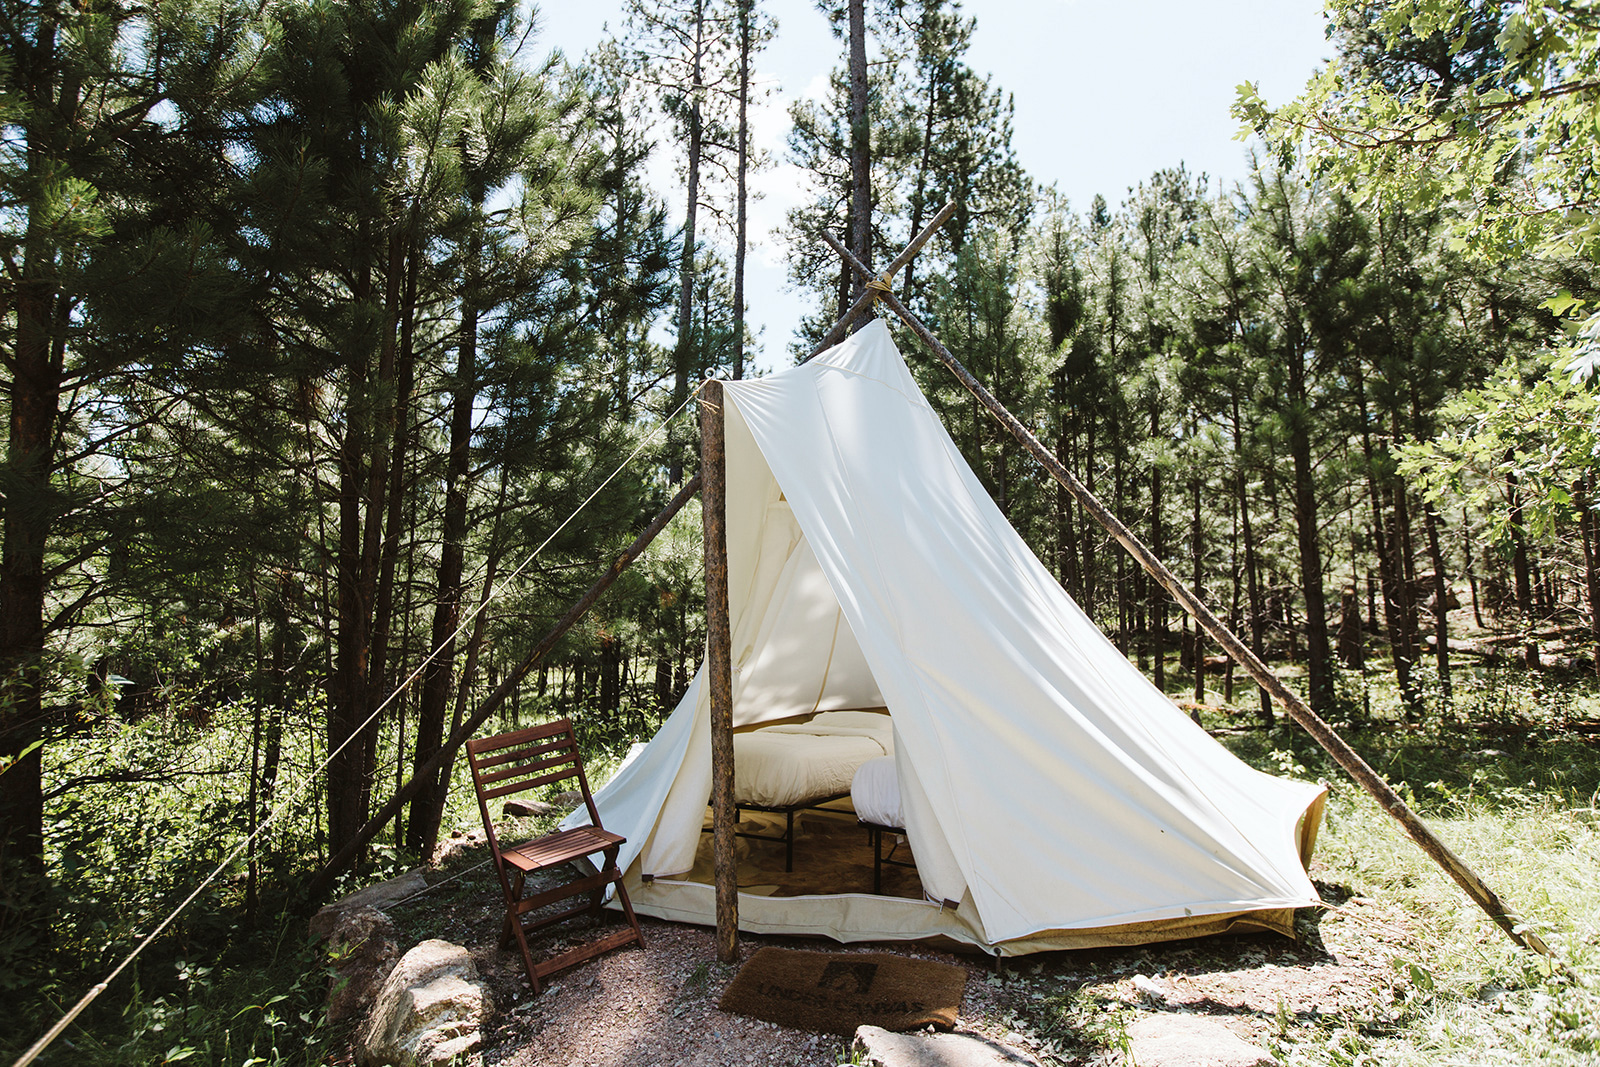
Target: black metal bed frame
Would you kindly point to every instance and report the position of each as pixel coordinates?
(877, 830)
(786, 810)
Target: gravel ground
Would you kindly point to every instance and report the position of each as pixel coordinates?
(657, 1005)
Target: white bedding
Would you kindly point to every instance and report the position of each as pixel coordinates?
(778, 766)
(875, 792)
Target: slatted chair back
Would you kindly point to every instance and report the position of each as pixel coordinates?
(526, 759)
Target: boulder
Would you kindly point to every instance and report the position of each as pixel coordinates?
(878, 1047)
(431, 1010)
(379, 896)
(364, 947)
(524, 808)
(1168, 1040)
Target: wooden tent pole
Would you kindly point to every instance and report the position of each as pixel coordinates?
(719, 667)
(458, 737)
(868, 297)
(1325, 735)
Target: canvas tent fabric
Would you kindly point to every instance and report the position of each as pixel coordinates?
(1050, 792)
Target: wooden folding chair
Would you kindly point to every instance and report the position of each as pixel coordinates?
(528, 759)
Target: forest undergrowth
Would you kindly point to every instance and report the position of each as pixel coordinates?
(1509, 777)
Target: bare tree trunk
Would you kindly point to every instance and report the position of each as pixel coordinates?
(1252, 565)
(1066, 539)
(1087, 537)
(41, 314)
(682, 351)
(1390, 572)
(1520, 571)
(447, 585)
(399, 431)
(1441, 601)
(1157, 598)
(1199, 650)
(1319, 655)
(744, 167)
(1591, 562)
(860, 146)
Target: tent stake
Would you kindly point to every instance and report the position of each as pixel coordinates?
(1325, 735)
(719, 667)
(447, 751)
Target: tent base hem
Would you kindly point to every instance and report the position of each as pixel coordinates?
(859, 917)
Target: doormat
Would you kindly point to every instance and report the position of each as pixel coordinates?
(839, 991)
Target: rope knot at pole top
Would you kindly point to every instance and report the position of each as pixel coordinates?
(880, 286)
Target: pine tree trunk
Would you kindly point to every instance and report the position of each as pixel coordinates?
(1520, 571)
(1066, 537)
(34, 398)
(1591, 562)
(860, 146)
(38, 348)
(1087, 537)
(1158, 598)
(919, 196)
(399, 431)
(1123, 614)
(1472, 575)
(740, 242)
(1441, 601)
(1252, 564)
(436, 677)
(610, 677)
(683, 349)
(1199, 650)
(1390, 577)
(1319, 657)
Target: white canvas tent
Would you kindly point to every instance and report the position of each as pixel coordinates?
(1050, 792)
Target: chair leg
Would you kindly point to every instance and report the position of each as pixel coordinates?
(527, 957)
(598, 895)
(627, 907)
(511, 913)
(513, 931)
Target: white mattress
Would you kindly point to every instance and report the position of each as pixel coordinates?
(875, 792)
(778, 766)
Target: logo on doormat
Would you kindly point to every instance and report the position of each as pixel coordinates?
(847, 976)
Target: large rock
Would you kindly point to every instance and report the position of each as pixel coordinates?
(878, 1047)
(374, 896)
(431, 1010)
(525, 808)
(1167, 1040)
(364, 946)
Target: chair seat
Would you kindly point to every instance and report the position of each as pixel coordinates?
(559, 848)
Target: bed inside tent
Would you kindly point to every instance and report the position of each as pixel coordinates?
(887, 620)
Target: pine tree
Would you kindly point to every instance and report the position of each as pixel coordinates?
(113, 169)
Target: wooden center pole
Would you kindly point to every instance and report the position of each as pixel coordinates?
(719, 667)
(1325, 735)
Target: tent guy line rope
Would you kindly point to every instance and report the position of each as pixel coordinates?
(441, 883)
(293, 798)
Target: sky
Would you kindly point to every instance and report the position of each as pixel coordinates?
(1105, 94)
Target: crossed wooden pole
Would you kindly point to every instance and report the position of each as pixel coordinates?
(1325, 735)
